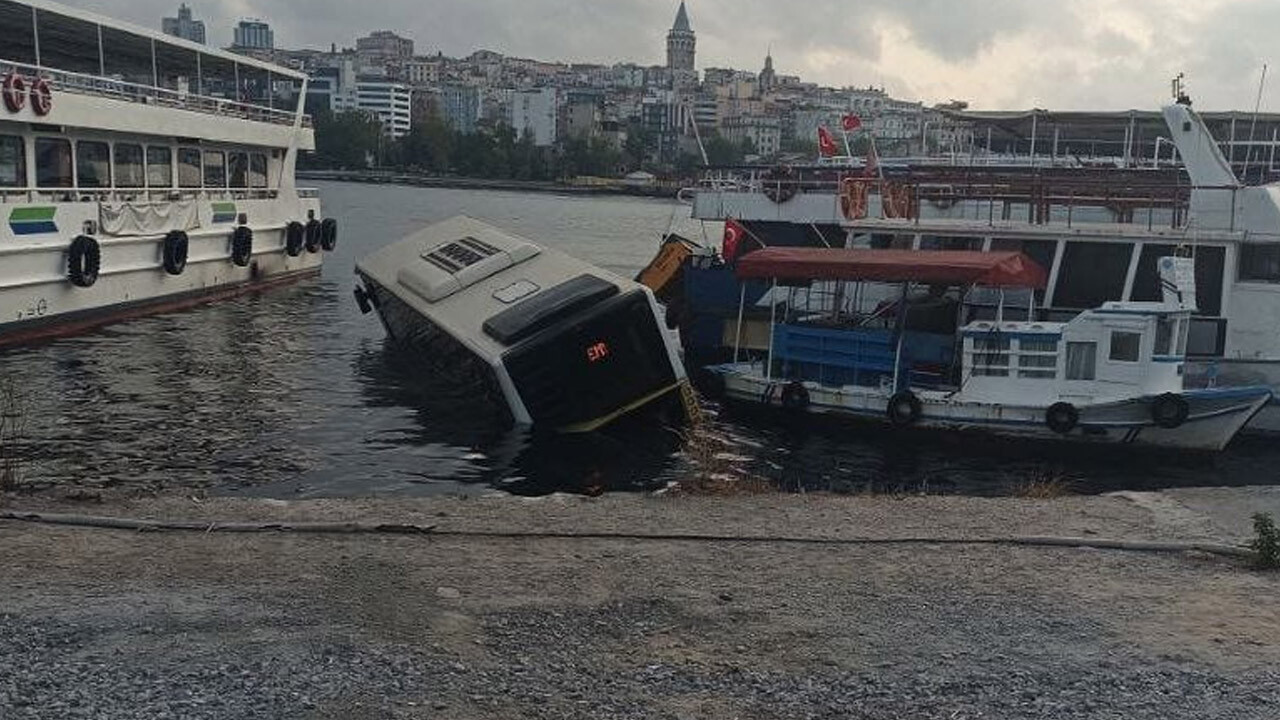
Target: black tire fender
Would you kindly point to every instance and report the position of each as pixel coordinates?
(242, 246)
(176, 247)
(795, 396)
(329, 234)
(313, 236)
(1170, 411)
(294, 237)
(904, 409)
(84, 261)
(1062, 417)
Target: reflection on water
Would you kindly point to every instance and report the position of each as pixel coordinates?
(292, 393)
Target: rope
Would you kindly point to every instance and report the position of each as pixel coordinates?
(116, 523)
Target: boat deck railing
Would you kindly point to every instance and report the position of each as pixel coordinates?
(107, 87)
(140, 196)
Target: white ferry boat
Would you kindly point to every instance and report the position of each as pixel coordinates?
(1111, 375)
(557, 343)
(141, 173)
(1098, 234)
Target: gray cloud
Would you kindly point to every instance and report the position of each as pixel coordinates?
(1010, 53)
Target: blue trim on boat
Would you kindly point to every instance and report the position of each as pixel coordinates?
(33, 228)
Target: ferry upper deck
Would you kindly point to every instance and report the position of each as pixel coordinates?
(171, 86)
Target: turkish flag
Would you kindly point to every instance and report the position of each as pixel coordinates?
(734, 234)
(826, 143)
(850, 122)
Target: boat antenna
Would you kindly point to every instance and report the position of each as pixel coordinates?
(1257, 107)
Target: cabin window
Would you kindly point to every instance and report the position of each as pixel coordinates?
(67, 43)
(1038, 358)
(1206, 337)
(255, 86)
(991, 357)
(1125, 346)
(1260, 262)
(238, 165)
(935, 242)
(18, 31)
(1210, 263)
(189, 174)
(125, 55)
(215, 169)
(1092, 274)
(1166, 330)
(1082, 361)
(176, 69)
(217, 77)
(130, 172)
(13, 162)
(93, 165)
(159, 167)
(257, 170)
(53, 163)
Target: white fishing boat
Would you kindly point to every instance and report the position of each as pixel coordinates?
(839, 344)
(140, 172)
(1098, 233)
(560, 344)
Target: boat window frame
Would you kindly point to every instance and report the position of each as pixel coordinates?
(1088, 371)
(199, 167)
(1119, 352)
(68, 181)
(115, 165)
(168, 151)
(81, 163)
(20, 162)
(266, 170)
(205, 156)
(243, 157)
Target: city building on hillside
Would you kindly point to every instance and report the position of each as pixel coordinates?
(184, 26)
(423, 72)
(768, 78)
(254, 35)
(763, 131)
(534, 112)
(583, 114)
(460, 107)
(384, 45)
(390, 102)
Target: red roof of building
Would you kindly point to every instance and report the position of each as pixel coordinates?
(932, 267)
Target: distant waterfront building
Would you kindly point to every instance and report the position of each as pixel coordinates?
(764, 132)
(583, 115)
(391, 102)
(534, 112)
(254, 35)
(184, 26)
(681, 43)
(384, 45)
(460, 107)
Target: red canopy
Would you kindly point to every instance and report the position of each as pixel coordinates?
(933, 267)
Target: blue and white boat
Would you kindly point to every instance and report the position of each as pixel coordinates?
(950, 340)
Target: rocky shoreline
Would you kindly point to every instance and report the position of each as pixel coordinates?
(108, 623)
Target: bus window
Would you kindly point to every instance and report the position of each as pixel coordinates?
(128, 166)
(53, 163)
(189, 174)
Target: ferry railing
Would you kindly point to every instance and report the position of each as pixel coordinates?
(98, 86)
(141, 196)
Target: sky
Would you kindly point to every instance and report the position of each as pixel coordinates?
(996, 54)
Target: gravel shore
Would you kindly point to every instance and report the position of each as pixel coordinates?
(110, 624)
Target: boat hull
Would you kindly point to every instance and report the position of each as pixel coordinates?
(1215, 415)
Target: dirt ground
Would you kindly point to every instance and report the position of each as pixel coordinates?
(100, 623)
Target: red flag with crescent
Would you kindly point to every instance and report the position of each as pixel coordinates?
(734, 234)
(850, 122)
(826, 143)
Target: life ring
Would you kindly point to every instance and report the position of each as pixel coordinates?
(1062, 417)
(795, 397)
(84, 261)
(1170, 411)
(176, 246)
(294, 234)
(313, 236)
(780, 184)
(15, 92)
(41, 97)
(853, 197)
(904, 409)
(241, 246)
(329, 234)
